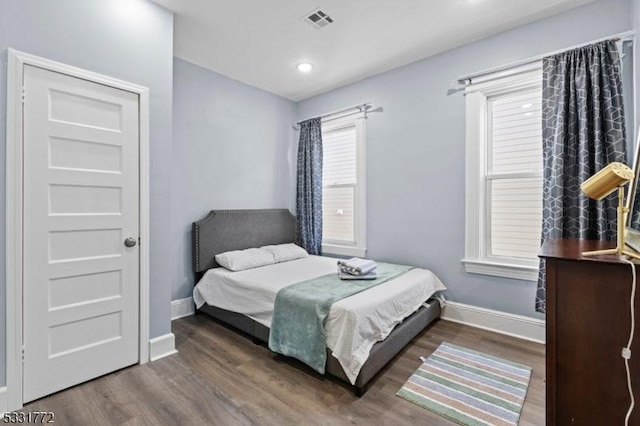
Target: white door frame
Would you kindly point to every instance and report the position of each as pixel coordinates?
(13, 209)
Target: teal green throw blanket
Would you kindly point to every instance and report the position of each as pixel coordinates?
(297, 329)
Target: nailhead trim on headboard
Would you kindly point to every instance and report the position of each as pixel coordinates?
(236, 230)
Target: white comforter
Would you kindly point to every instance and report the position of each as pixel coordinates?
(354, 324)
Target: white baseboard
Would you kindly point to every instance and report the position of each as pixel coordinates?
(182, 308)
(500, 322)
(3, 400)
(162, 346)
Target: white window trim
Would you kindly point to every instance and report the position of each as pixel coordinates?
(476, 260)
(360, 247)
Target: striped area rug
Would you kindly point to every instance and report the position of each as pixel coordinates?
(469, 387)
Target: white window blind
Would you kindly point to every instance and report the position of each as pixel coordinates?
(514, 174)
(339, 181)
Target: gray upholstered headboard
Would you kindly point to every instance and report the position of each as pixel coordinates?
(224, 230)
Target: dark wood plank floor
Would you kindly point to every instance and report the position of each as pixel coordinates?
(221, 378)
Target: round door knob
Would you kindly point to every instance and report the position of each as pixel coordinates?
(130, 242)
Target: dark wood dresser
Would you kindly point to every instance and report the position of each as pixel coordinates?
(588, 324)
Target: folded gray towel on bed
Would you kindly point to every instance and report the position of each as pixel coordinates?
(345, 275)
(357, 266)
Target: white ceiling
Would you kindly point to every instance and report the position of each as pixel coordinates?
(260, 42)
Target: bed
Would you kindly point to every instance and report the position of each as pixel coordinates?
(226, 230)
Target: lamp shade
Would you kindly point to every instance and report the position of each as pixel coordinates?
(606, 180)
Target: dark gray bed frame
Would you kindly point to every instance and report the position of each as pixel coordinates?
(224, 230)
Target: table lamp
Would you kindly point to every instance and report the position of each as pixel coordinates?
(603, 183)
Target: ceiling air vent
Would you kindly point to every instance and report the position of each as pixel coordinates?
(318, 19)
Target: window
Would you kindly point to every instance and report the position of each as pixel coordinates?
(504, 173)
(343, 186)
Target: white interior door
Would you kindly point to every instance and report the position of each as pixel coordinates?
(81, 201)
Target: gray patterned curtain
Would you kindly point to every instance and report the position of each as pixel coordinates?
(635, 213)
(582, 131)
(309, 187)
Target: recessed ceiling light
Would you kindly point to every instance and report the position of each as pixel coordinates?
(525, 106)
(304, 67)
(528, 114)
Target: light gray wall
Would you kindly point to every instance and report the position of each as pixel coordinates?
(415, 150)
(232, 148)
(128, 39)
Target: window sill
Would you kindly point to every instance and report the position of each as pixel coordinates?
(343, 250)
(505, 270)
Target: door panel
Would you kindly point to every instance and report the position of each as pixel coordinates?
(81, 200)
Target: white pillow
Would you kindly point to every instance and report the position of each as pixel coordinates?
(286, 252)
(239, 260)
